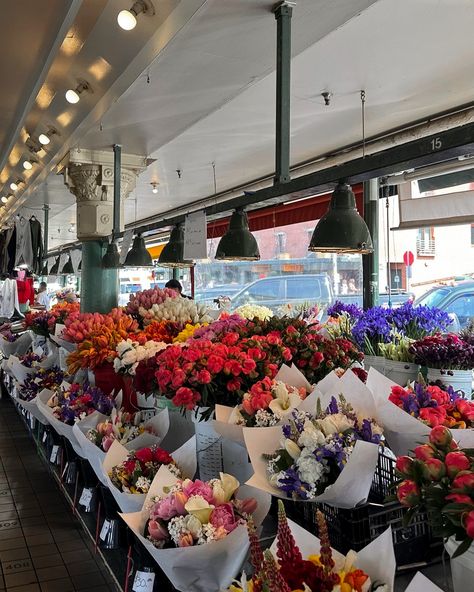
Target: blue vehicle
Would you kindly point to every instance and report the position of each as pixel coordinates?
(456, 299)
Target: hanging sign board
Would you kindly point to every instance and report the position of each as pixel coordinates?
(126, 244)
(195, 236)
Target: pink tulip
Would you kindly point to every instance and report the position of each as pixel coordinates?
(157, 531)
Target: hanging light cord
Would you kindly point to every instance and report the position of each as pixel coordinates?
(214, 176)
(362, 100)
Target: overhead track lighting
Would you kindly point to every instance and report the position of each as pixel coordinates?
(28, 164)
(342, 229)
(154, 186)
(55, 268)
(172, 254)
(238, 243)
(127, 19)
(138, 256)
(74, 95)
(68, 268)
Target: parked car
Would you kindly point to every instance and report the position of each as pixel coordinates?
(210, 296)
(396, 298)
(275, 291)
(457, 300)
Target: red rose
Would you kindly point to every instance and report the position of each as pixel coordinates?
(161, 456)
(144, 455)
(456, 462)
(185, 397)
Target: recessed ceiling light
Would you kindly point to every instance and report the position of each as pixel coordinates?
(4, 199)
(13, 186)
(27, 165)
(127, 19)
(154, 185)
(74, 95)
(44, 139)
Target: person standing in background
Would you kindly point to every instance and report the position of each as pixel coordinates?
(42, 297)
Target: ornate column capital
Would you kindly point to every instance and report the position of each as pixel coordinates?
(89, 174)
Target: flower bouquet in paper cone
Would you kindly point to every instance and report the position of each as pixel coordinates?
(299, 562)
(75, 402)
(439, 478)
(196, 531)
(130, 474)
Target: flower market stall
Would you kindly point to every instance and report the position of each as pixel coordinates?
(180, 429)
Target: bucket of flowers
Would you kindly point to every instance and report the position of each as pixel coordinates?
(196, 530)
(130, 474)
(439, 479)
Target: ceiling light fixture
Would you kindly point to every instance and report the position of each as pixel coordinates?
(4, 199)
(14, 185)
(111, 259)
(28, 164)
(46, 138)
(172, 254)
(74, 95)
(127, 19)
(138, 256)
(68, 268)
(342, 229)
(154, 185)
(238, 243)
(55, 268)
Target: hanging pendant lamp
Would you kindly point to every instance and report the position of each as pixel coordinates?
(68, 268)
(238, 243)
(138, 256)
(44, 270)
(55, 268)
(172, 254)
(342, 229)
(111, 259)
(79, 267)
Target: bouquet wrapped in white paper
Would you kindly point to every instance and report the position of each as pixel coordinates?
(326, 455)
(129, 474)
(96, 433)
(18, 347)
(217, 545)
(403, 431)
(268, 404)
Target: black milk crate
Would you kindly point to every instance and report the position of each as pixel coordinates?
(357, 527)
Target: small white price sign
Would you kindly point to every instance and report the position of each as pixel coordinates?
(54, 454)
(148, 414)
(143, 582)
(45, 436)
(86, 497)
(105, 529)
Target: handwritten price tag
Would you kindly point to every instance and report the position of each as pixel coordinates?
(143, 582)
(86, 497)
(104, 531)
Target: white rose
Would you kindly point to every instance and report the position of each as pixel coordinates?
(311, 437)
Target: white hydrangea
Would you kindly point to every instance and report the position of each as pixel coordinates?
(310, 470)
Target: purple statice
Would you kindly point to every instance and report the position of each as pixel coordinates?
(6, 333)
(374, 327)
(217, 329)
(29, 359)
(351, 310)
(417, 322)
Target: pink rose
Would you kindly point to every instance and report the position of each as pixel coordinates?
(157, 531)
(223, 516)
(199, 488)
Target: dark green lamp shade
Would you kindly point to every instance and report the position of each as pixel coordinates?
(111, 259)
(138, 256)
(68, 268)
(44, 270)
(172, 254)
(238, 243)
(55, 268)
(342, 229)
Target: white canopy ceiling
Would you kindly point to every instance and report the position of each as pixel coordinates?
(210, 95)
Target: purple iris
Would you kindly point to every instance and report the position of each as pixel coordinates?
(339, 308)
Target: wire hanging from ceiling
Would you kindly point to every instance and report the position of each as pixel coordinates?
(362, 101)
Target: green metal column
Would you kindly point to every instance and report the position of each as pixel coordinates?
(370, 262)
(283, 12)
(175, 273)
(100, 287)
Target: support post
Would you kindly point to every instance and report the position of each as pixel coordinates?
(175, 273)
(283, 12)
(117, 204)
(99, 286)
(45, 235)
(370, 262)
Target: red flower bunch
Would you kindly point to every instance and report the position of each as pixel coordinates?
(434, 405)
(135, 474)
(440, 479)
(205, 373)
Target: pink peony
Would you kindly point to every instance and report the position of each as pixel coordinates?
(404, 465)
(223, 516)
(408, 493)
(424, 452)
(456, 462)
(440, 436)
(199, 488)
(468, 523)
(434, 416)
(165, 508)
